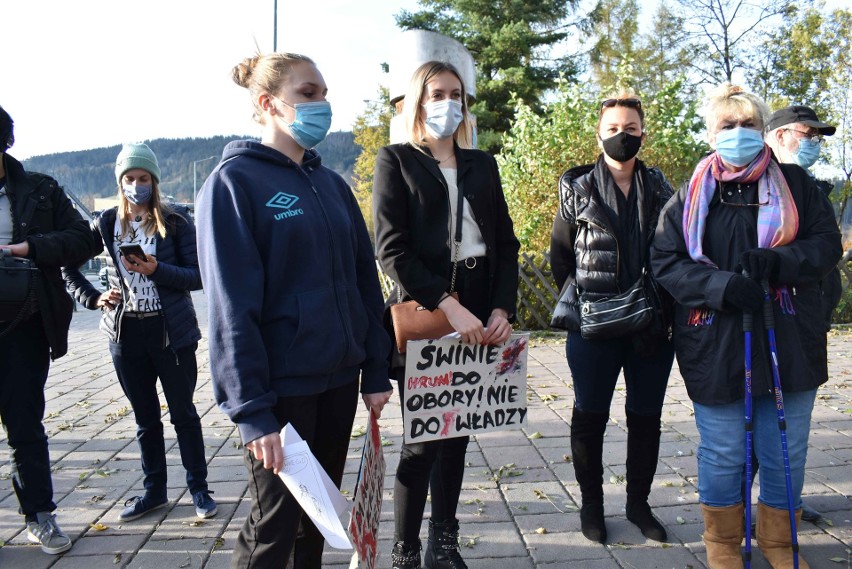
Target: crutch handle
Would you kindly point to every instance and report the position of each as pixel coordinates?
(748, 317)
(768, 314)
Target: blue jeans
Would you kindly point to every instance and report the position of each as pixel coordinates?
(595, 365)
(140, 357)
(721, 452)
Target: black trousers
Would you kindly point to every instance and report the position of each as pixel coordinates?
(140, 357)
(24, 364)
(271, 531)
(436, 465)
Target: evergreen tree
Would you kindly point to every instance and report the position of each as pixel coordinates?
(616, 24)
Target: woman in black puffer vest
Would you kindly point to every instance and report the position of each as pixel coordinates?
(600, 240)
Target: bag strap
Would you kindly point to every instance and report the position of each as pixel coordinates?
(457, 240)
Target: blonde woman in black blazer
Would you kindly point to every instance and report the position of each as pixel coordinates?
(415, 191)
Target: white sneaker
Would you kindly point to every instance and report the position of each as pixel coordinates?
(46, 532)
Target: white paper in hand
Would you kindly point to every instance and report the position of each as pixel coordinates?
(313, 489)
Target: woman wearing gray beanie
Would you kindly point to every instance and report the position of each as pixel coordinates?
(150, 320)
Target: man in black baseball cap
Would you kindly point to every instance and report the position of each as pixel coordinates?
(799, 114)
(796, 134)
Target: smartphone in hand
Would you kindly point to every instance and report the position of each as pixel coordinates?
(134, 249)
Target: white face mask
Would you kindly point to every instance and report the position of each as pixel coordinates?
(443, 117)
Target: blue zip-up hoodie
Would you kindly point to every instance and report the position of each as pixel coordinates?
(295, 306)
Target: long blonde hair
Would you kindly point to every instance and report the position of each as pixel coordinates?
(415, 128)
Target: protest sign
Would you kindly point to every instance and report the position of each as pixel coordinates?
(364, 522)
(309, 483)
(454, 389)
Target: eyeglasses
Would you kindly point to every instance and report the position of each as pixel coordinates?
(742, 202)
(815, 138)
(631, 102)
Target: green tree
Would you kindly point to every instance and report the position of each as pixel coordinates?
(616, 25)
(663, 53)
(372, 131)
(510, 42)
(839, 101)
(540, 147)
(795, 64)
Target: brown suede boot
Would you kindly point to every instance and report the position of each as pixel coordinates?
(773, 536)
(723, 535)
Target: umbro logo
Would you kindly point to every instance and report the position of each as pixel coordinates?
(285, 202)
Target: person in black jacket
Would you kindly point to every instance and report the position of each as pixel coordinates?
(600, 240)
(37, 221)
(795, 134)
(150, 320)
(742, 210)
(416, 188)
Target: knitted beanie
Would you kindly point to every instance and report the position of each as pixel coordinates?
(136, 156)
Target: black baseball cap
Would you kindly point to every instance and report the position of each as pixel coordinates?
(799, 114)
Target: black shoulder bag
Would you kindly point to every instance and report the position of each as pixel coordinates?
(17, 290)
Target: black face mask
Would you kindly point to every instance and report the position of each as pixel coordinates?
(622, 147)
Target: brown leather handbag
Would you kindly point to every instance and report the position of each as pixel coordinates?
(413, 321)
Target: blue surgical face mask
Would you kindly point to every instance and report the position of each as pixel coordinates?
(443, 117)
(807, 154)
(739, 146)
(137, 194)
(311, 124)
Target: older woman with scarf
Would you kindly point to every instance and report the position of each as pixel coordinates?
(742, 220)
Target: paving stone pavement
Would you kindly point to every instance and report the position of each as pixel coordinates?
(518, 507)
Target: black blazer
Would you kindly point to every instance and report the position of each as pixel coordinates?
(411, 215)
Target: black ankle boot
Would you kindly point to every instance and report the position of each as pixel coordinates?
(442, 551)
(406, 555)
(587, 431)
(643, 450)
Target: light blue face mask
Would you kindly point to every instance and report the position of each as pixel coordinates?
(311, 124)
(443, 117)
(807, 154)
(739, 146)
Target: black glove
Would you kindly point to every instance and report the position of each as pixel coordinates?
(761, 264)
(744, 293)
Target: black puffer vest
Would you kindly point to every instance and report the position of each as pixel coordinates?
(596, 247)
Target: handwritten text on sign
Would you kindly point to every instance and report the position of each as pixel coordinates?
(454, 389)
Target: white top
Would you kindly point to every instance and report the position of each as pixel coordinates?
(472, 245)
(142, 295)
(5, 217)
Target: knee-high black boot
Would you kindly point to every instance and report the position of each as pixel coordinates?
(587, 431)
(643, 451)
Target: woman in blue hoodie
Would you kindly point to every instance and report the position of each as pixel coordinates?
(295, 307)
